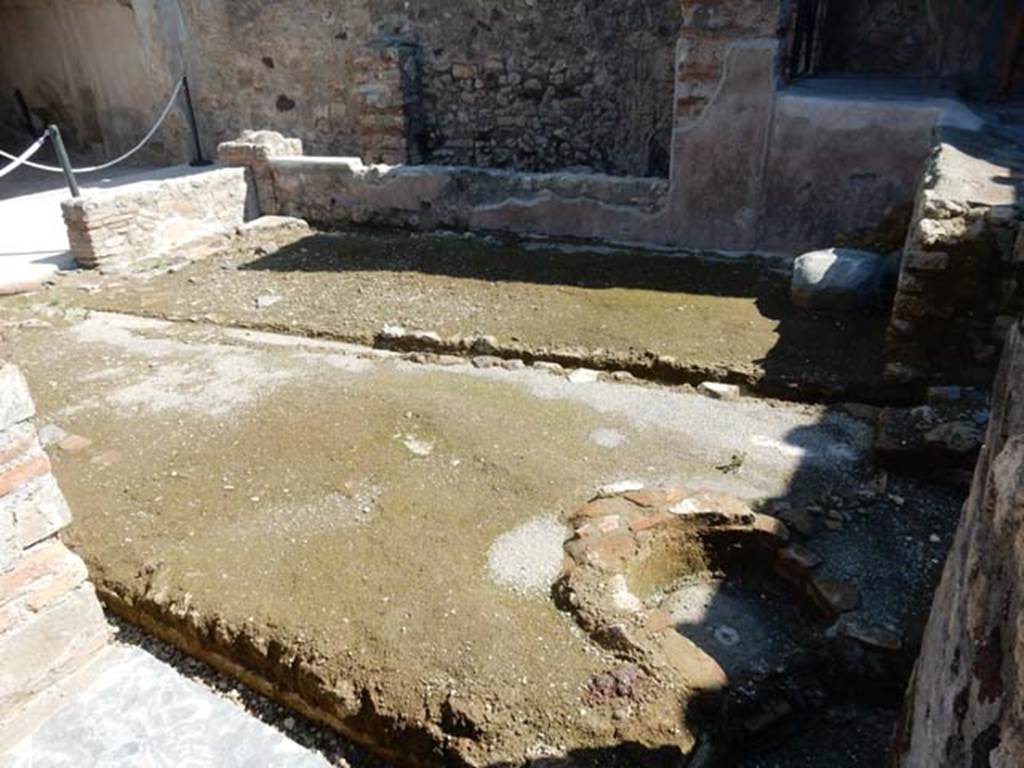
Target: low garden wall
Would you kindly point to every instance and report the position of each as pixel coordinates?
(138, 224)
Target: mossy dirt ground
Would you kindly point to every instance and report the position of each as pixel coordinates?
(322, 517)
(712, 316)
(332, 510)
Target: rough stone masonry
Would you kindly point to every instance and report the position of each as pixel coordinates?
(962, 273)
(967, 695)
(50, 619)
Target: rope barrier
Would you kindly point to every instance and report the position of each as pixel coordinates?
(111, 163)
(22, 159)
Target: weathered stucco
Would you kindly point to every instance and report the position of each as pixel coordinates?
(965, 705)
(87, 66)
(839, 162)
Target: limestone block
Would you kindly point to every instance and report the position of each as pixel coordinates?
(271, 224)
(58, 640)
(43, 575)
(9, 549)
(26, 468)
(15, 402)
(254, 146)
(37, 510)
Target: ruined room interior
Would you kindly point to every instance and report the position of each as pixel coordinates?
(525, 383)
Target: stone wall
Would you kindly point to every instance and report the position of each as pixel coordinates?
(829, 167)
(140, 224)
(50, 620)
(493, 83)
(965, 700)
(962, 278)
(532, 86)
(545, 86)
(524, 86)
(343, 191)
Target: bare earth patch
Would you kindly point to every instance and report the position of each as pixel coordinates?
(300, 534)
(668, 317)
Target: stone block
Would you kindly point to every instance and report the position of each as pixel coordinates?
(926, 260)
(837, 279)
(834, 597)
(19, 473)
(57, 641)
(910, 282)
(15, 402)
(913, 307)
(9, 549)
(43, 574)
(16, 441)
(38, 510)
(257, 146)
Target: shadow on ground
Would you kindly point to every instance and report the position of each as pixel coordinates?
(725, 317)
(505, 259)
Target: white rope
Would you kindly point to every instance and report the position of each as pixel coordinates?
(22, 159)
(116, 160)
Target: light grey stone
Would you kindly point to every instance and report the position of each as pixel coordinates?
(266, 301)
(273, 223)
(38, 510)
(837, 279)
(139, 711)
(583, 376)
(56, 641)
(719, 391)
(15, 401)
(51, 433)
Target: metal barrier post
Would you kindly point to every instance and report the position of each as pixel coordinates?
(62, 158)
(191, 115)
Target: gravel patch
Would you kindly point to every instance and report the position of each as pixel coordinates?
(528, 559)
(334, 748)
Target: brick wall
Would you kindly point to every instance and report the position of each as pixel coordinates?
(387, 89)
(711, 29)
(50, 620)
(143, 223)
